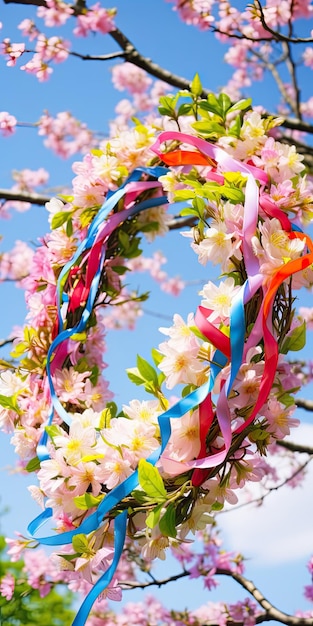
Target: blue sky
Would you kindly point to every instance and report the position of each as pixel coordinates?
(281, 528)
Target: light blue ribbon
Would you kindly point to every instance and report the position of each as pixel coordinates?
(188, 403)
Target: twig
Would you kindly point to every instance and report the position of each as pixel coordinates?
(278, 35)
(6, 342)
(260, 499)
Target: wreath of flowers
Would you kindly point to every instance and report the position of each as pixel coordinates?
(153, 470)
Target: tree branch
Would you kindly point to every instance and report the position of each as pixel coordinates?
(301, 403)
(98, 57)
(270, 611)
(130, 53)
(295, 447)
(275, 34)
(41, 200)
(6, 342)
(22, 196)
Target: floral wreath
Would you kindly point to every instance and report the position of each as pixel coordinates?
(140, 478)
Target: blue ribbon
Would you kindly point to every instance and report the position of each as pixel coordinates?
(109, 204)
(103, 582)
(188, 403)
(116, 495)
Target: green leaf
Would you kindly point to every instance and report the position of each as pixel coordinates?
(54, 431)
(295, 340)
(184, 194)
(9, 402)
(157, 356)
(80, 544)
(146, 370)
(105, 418)
(87, 215)
(154, 516)
(161, 379)
(91, 457)
(140, 496)
(232, 193)
(235, 129)
(212, 105)
(19, 349)
(187, 390)
(119, 269)
(167, 106)
(94, 375)
(151, 481)
(188, 211)
(225, 103)
(81, 337)
(113, 408)
(69, 227)
(123, 239)
(217, 506)
(241, 105)
(59, 219)
(196, 86)
(167, 523)
(209, 128)
(65, 197)
(199, 205)
(133, 375)
(87, 501)
(286, 399)
(33, 465)
(184, 109)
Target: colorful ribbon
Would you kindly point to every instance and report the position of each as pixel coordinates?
(231, 350)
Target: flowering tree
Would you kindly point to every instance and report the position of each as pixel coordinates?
(124, 486)
(21, 599)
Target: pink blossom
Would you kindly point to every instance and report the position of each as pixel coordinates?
(38, 67)
(29, 29)
(308, 592)
(114, 470)
(7, 585)
(244, 612)
(96, 19)
(212, 612)
(173, 286)
(54, 48)
(28, 180)
(179, 367)
(307, 107)
(64, 134)
(16, 547)
(87, 565)
(307, 56)
(307, 314)
(195, 12)
(41, 571)
(128, 76)
(184, 443)
(82, 478)
(55, 13)
(12, 51)
(7, 123)
(16, 264)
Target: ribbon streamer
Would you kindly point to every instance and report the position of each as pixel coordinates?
(90, 258)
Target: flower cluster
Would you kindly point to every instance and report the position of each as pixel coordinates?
(159, 466)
